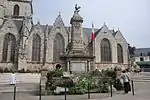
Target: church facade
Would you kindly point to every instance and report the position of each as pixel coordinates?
(25, 45)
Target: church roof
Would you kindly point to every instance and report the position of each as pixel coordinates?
(144, 51)
(86, 31)
(18, 24)
(96, 33)
(49, 27)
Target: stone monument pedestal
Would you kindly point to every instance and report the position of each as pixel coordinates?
(78, 63)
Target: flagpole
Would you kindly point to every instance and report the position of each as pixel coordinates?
(93, 44)
(94, 47)
(93, 39)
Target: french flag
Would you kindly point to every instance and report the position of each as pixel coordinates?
(93, 34)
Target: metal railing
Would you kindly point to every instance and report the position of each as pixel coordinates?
(88, 93)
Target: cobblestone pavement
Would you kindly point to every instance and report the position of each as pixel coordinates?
(142, 92)
(27, 91)
(143, 95)
(19, 87)
(25, 96)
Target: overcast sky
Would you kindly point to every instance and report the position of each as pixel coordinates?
(132, 17)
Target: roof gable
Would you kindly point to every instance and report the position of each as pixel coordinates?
(118, 35)
(58, 22)
(8, 24)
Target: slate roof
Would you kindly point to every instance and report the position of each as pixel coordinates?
(86, 31)
(145, 51)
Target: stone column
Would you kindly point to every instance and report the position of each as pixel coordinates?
(43, 81)
(77, 46)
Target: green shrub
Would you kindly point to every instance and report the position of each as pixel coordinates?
(54, 79)
(95, 73)
(55, 73)
(95, 84)
(109, 73)
(98, 81)
(58, 73)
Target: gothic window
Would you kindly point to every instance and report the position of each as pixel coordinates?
(58, 47)
(106, 55)
(120, 53)
(36, 48)
(9, 45)
(16, 10)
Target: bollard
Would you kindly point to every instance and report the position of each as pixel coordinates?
(40, 93)
(14, 92)
(65, 93)
(65, 90)
(88, 90)
(132, 87)
(111, 88)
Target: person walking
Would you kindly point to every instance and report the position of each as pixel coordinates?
(13, 79)
(126, 81)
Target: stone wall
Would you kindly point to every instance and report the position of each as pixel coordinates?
(49, 66)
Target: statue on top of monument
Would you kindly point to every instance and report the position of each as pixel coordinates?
(77, 8)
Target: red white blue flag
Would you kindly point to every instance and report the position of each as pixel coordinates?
(93, 34)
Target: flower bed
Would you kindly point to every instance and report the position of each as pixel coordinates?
(97, 81)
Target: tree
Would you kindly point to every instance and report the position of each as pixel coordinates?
(131, 50)
(148, 53)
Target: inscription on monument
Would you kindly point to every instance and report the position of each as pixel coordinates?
(78, 66)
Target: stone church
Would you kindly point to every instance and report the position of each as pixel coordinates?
(25, 45)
